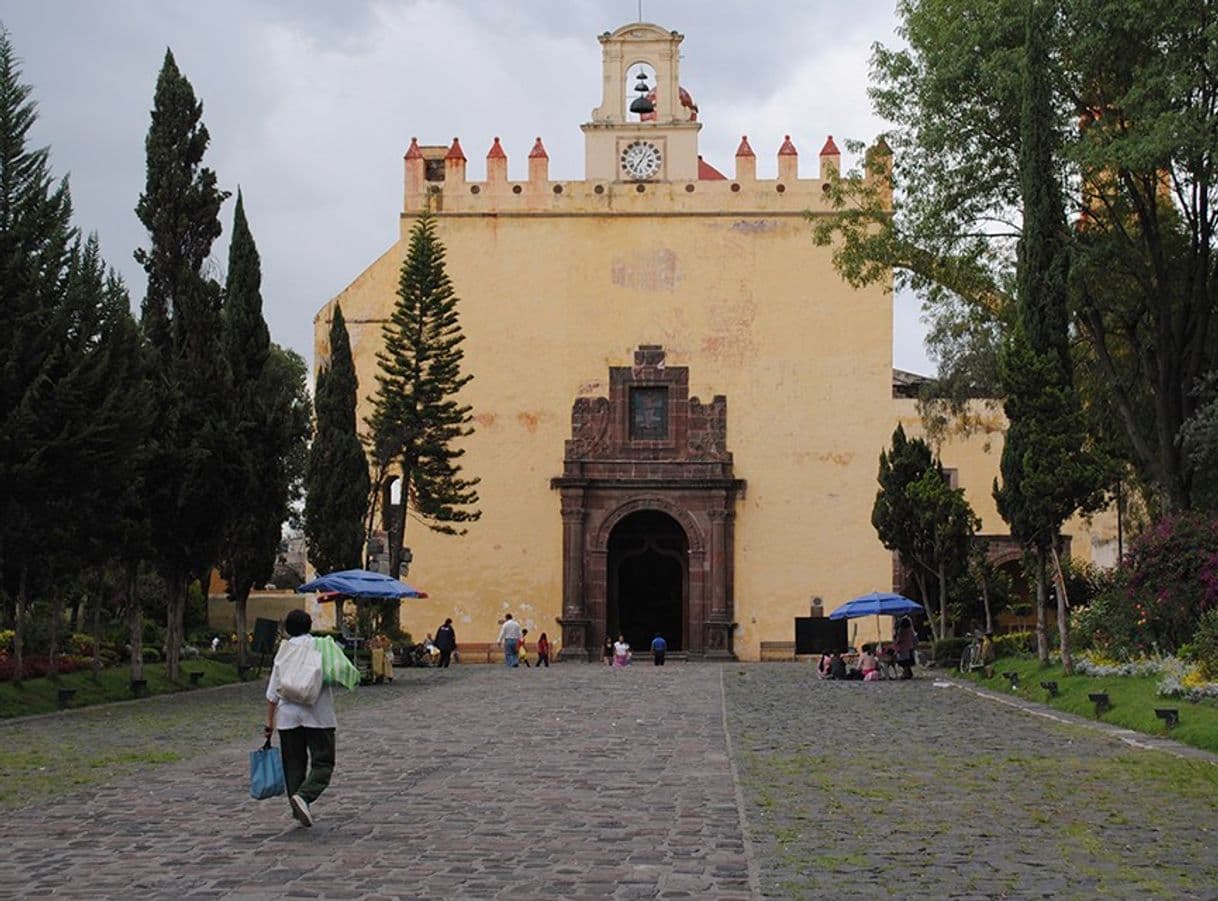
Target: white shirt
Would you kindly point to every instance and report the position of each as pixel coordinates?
(289, 714)
(620, 648)
(509, 629)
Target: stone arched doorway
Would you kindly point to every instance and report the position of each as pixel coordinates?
(647, 475)
(648, 580)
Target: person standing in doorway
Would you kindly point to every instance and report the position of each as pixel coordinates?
(658, 648)
(306, 731)
(446, 641)
(509, 638)
(543, 651)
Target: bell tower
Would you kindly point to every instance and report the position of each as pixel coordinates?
(658, 140)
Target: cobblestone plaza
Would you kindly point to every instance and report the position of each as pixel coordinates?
(691, 781)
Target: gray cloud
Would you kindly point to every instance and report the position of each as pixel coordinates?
(311, 104)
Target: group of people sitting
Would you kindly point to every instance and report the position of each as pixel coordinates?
(870, 665)
(875, 661)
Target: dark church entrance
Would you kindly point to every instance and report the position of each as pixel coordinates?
(648, 580)
(648, 511)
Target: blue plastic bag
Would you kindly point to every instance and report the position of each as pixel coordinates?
(266, 772)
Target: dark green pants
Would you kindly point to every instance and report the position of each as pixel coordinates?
(308, 760)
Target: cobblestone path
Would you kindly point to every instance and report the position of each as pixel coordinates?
(581, 781)
(866, 790)
(576, 781)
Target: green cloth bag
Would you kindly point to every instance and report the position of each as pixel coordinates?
(336, 668)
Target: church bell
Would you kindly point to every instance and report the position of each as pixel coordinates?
(641, 104)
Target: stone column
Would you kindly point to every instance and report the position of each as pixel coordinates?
(717, 622)
(575, 623)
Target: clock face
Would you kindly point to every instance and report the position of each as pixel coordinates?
(640, 160)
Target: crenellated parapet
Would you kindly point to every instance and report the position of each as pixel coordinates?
(437, 179)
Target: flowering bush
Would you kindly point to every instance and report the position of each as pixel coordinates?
(39, 665)
(6, 640)
(1092, 665)
(80, 644)
(1113, 625)
(1174, 577)
(1181, 681)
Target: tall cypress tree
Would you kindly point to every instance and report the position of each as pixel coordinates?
(269, 421)
(191, 464)
(1047, 471)
(336, 479)
(416, 421)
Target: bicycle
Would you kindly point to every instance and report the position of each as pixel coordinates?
(972, 659)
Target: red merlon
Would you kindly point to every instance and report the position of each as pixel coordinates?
(787, 148)
(707, 172)
(496, 152)
(538, 151)
(455, 152)
(830, 149)
(744, 149)
(414, 153)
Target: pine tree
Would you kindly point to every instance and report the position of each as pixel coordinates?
(336, 478)
(417, 422)
(191, 464)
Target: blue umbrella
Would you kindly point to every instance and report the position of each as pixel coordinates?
(361, 583)
(878, 603)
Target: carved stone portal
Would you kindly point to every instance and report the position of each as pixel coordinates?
(648, 447)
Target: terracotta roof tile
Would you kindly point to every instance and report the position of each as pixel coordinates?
(496, 152)
(707, 172)
(744, 149)
(830, 149)
(787, 148)
(414, 153)
(538, 151)
(455, 152)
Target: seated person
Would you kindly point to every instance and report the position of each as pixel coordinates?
(823, 665)
(888, 662)
(869, 665)
(837, 666)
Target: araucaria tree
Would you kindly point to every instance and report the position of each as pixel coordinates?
(336, 478)
(191, 462)
(269, 426)
(417, 422)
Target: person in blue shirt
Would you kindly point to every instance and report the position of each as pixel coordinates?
(658, 647)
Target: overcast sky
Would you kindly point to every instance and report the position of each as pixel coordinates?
(311, 104)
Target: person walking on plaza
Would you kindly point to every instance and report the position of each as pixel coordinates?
(522, 651)
(446, 641)
(306, 731)
(907, 641)
(509, 638)
(543, 651)
(658, 647)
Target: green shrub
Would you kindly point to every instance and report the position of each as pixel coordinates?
(1205, 645)
(6, 640)
(152, 655)
(1113, 625)
(80, 645)
(946, 652)
(1015, 644)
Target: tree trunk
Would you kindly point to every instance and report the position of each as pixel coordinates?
(1042, 634)
(174, 620)
(1063, 615)
(56, 616)
(239, 616)
(920, 578)
(19, 626)
(943, 599)
(985, 599)
(135, 625)
(74, 614)
(95, 630)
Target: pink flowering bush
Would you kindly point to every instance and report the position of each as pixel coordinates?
(1173, 578)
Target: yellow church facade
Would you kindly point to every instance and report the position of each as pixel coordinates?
(678, 405)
